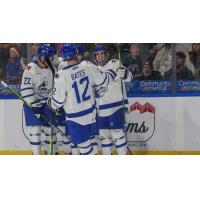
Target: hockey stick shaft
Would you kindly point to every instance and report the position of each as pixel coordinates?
(16, 93)
(29, 105)
(52, 114)
(122, 89)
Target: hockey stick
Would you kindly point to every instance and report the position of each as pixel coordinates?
(30, 106)
(122, 89)
(52, 113)
(25, 134)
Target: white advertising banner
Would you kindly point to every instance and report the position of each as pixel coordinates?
(153, 124)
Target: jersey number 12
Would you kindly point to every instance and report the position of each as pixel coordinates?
(85, 82)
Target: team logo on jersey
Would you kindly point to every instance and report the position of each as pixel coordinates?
(42, 90)
(140, 124)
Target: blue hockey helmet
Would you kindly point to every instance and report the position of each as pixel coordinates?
(52, 48)
(100, 48)
(68, 52)
(43, 51)
(79, 48)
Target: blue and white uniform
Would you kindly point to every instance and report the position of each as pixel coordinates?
(35, 89)
(111, 112)
(74, 91)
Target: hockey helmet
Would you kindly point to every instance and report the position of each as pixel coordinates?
(68, 52)
(100, 48)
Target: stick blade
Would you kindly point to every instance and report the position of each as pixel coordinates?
(4, 84)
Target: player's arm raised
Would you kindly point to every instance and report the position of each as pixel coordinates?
(101, 78)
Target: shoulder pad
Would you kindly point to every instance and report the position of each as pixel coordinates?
(114, 61)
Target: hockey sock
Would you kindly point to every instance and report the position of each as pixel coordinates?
(86, 148)
(35, 139)
(66, 145)
(94, 144)
(75, 150)
(120, 141)
(106, 144)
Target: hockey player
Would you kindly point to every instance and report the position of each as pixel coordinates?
(111, 105)
(80, 50)
(73, 89)
(36, 87)
(54, 61)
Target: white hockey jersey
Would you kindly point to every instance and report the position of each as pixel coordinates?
(73, 89)
(36, 84)
(112, 98)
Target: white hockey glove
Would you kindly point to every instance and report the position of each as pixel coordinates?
(101, 90)
(121, 73)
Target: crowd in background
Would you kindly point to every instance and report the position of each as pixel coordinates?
(146, 61)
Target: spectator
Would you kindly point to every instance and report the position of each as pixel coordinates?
(148, 73)
(163, 59)
(182, 72)
(195, 59)
(186, 48)
(133, 61)
(13, 67)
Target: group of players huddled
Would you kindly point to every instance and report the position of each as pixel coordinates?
(86, 100)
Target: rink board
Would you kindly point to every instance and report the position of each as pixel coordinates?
(155, 126)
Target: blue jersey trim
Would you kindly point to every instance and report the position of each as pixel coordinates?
(113, 72)
(57, 101)
(110, 74)
(82, 113)
(30, 95)
(29, 88)
(112, 105)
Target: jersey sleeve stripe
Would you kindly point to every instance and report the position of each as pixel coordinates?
(110, 74)
(82, 113)
(112, 71)
(29, 88)
(30, 95)
(57, 101)
(112, 105)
